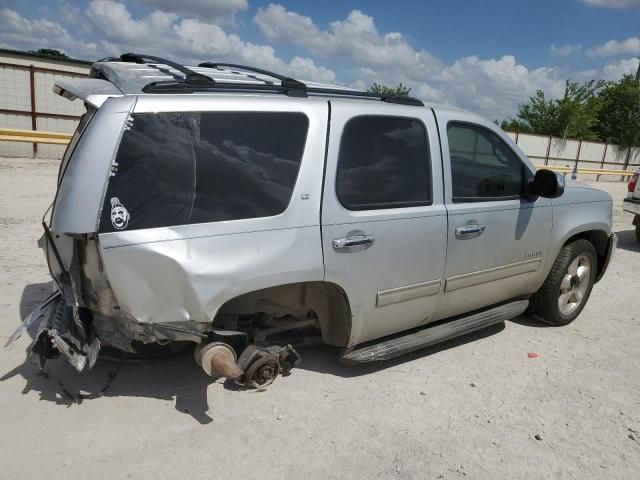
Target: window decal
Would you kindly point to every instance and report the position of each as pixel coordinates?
(119, 214)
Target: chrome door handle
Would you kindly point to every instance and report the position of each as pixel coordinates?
(470, 231)
(353, 243)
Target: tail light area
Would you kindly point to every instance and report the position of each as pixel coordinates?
(631, 187)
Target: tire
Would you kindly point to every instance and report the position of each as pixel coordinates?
(638, 232)
(565, 293)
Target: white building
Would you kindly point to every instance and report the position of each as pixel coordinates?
(28, 102)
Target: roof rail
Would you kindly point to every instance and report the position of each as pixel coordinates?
(286, 82)
(197, 82)
(182, 87)
(190, 76)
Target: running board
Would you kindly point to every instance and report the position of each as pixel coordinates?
(386, 349)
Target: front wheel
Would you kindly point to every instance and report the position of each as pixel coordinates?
(568, 286)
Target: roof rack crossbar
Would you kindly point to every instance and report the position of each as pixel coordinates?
(190, 76)
(285, 81)
(181, 87)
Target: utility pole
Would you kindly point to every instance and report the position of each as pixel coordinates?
(638, 72)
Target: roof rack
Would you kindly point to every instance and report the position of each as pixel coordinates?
(190, 76)
(286, 82)
(290, 84)
(199, 82)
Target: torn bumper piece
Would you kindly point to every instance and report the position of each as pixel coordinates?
(58, 329)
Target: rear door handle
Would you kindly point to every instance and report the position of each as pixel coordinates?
(470, 231)
(353, 243)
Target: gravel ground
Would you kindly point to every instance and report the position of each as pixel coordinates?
(477, 407)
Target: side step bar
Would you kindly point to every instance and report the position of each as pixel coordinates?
(394, 347)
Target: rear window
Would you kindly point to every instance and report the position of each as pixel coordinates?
(198, 167)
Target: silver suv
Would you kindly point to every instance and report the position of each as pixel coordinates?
(246, 212)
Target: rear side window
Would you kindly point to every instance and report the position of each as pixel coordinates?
(383, 163)
(483, 167)
(198, 167)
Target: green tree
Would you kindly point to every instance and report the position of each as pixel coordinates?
(50, 52)
(515, 125)
(618, 120)
(399, 91)
(572, 116)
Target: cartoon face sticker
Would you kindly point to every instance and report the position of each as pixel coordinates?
(119, 214)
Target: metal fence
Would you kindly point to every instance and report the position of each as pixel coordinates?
(581, 154)
(28, 102)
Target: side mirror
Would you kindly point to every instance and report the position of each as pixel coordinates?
(546, 183)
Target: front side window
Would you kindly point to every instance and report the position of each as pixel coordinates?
(179, 168)
(483, 167)
(383, 163)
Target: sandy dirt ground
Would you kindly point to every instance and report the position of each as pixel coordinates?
(470, 408)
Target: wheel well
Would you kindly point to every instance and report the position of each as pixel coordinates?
(599, 239)
(327, 301)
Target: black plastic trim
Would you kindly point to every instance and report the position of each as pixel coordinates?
(607, 258)
(187, 87)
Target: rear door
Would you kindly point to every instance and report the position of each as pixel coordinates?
(213, 196)
(498, 240)
(383, 217)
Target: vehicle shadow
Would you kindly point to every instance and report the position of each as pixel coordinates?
(32, 296)
(175, 377)
(529, 321)
(172, 378)
(324, 359)
(627, 240)
(169, 378)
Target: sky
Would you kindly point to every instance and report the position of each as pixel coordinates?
(486, 56)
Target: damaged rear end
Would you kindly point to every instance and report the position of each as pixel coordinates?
(64, 324)
(152, 240)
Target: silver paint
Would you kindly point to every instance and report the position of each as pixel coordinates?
(90, 90)
(575, 284)
(187, 273)
(409, 292)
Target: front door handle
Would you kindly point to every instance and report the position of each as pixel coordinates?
(353, 243)
(470, 231)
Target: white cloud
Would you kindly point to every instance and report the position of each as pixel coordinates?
(496, 86)
(190, 40)
(21, 33)
(566, 50)
(355, 38)
(615, 70)
(613, 3)
(630, 46)
(219, 10)
(489, 86)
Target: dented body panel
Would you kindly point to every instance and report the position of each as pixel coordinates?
(186, 272)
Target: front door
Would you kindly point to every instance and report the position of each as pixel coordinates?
(383, 217)
(497, 238)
